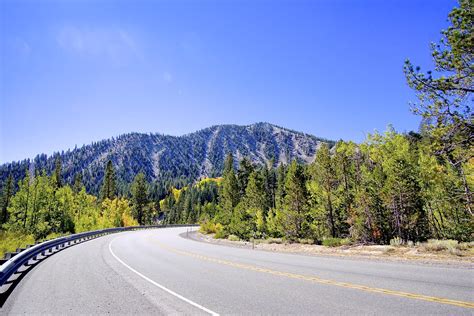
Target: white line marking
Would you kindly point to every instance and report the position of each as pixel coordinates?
(159, 285)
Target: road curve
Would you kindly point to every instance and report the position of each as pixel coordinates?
(160, 272)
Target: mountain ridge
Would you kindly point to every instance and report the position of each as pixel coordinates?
(188, 157)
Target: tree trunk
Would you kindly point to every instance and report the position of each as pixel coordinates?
(467, 191)
(331, 216)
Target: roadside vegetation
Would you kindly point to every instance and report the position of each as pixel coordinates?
(44, 208)
(432, 251)
(393, 189)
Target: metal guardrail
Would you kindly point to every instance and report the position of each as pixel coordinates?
(23, 256)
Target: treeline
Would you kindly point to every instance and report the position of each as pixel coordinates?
(391, 185)
(166, 160)
(43, 204)
(192, 203)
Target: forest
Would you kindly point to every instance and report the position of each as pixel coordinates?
(390, 186)
(44, 207)
(410, 186)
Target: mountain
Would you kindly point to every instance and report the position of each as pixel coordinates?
(188, 157)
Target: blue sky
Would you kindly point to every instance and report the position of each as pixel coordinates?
(73, 72)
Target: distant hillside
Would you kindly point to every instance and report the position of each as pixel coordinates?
(188, 157)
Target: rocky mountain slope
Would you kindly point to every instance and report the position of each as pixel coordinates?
(190, 157)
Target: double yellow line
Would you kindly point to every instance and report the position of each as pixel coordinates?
(315, 279)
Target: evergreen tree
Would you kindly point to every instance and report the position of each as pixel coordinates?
(19, 210)
(169, 208)
(6, 196)
(280, 187)
(345, 169)
(324, 174)
(295, 202)
(245, 169)
(78, 185)
(446, 99)
(189, 214)
(57, 174)
(270, 185)
(372, 220)
(228, 164)
(255, 201)
(401, 194)
(230, 192)
(109, 189)
(140, 197)
(254, 193)
(446, 213)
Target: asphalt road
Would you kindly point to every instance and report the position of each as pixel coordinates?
(160, 272)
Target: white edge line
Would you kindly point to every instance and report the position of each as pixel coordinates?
(159, 285)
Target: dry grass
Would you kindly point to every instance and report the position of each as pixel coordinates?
(452, 247)
(233, 238)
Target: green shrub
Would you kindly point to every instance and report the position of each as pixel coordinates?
(306, 241)
(220, 232)
(396, 242)
(345, 242)
(208, 228)
(10, 241)
(335, 242)
(272, 240)
(233, 238)
(440, 245)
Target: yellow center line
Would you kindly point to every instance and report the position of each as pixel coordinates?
(315, 279)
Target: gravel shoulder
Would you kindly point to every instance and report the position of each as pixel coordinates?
(362, 252)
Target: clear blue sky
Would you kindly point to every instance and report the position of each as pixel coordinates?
(73, 72)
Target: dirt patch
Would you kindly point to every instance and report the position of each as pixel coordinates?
(365, 252)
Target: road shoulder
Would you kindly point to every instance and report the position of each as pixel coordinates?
(378, 253)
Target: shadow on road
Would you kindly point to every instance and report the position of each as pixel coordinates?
(16, 278)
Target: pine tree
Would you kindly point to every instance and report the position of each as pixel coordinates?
(57, 175)
(20, 203)
(270, 185)
(295, 201)
(109, 189)
(440, 184)
(254, 194)
(280, 187)
(245, 169)
(140, 197)
(446, 96)
(228, 164)
(6, 195)
(78, 185)
(401, 194)
(372, 221)
(324, 174)
(344, 165)
(189, 214)
(229, 197)
(169, 208)
(255, 201)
